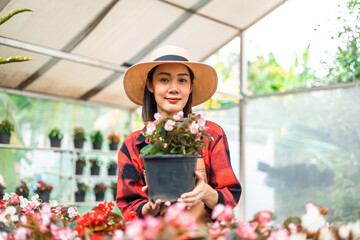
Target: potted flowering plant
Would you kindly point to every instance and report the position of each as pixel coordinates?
(23, 189)
(95, 166)
(79, 165)
(55, 137)
(79, 137)
(99, 190)
(113, 188)
(113, 139)
(96, 138)
(172, 153)
(2, 188)
(112, 166)
(6, 128)
(81, 190)
(44, 190)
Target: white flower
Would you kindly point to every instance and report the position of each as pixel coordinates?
(35, 199)
(118, 235)
(12, 212)
(169, 125)
(6, 197)
(344, 230)
(201, 122)
(194, 128)
(326, 234)
(355, 230)
(157, 116)
(23, 201)
(179, 116)
(72, 212)
(312, 221)
(150, 128)
(53, 203)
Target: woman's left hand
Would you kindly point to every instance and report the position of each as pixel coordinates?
(201, 192)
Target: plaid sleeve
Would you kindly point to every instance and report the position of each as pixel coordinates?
(129, 196)
(220, 172)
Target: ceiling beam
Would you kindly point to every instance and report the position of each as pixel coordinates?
(69, 46)
(3, 4)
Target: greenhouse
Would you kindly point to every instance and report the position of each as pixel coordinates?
(285, 103)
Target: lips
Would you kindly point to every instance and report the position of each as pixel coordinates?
(172, 100)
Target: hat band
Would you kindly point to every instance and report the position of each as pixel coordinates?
(171, 58)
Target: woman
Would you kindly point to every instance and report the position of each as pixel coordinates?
(168, 84)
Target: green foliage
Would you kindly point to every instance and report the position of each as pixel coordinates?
(55, 133)
(266, 75)
(94, 162)
(347, 62)
(112, 164)
(81, 186)
(79, 134)
(10, 15)
(96, 136)
(99, 187)
(3, 20)
(177, 139)
(23, 188)
(6, 127)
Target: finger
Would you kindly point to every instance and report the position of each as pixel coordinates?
(144, 189)
(167, 203)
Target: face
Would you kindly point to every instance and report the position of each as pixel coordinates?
(171, 87)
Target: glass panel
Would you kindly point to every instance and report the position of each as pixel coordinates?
(303, 147)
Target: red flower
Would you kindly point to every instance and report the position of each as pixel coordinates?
(41, 182)
(2, 203)
(43, 188)
(96, 237)
(3, 123)
(131, 216)
(106, 206)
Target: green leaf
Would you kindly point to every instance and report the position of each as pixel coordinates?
(14, 59)
(156, 150)
(10, 15)
(145, 150)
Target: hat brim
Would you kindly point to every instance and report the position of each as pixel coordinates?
(204, 84)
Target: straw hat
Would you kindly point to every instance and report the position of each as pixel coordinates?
(205, 77)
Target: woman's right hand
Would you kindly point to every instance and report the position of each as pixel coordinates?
(153, 208)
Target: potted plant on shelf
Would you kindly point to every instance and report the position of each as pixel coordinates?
(114, 140)
(95, 166)
(23, 189)
(172, 154)
(99, 190)
(96, 138)
(79, 137)
(79, 165)
(55, 137)
(112, 167)
(113, 188)
(6, 128)
(81, 190)
(44, 190)
(2, 188)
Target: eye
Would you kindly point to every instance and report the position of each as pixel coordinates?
(164, 80)
(183, 80)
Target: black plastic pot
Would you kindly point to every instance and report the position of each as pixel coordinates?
(113, 146)
(169, 176)
(112, 171)
(5, 138)
(94, 170)
(114, 193)
(78, 143)
(25, 195)
(99, 196)
(55, 142)
(79, 196)
(45, 196)
(97, 145)
(79, 170)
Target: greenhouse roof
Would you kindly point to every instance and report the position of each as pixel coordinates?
(80, 48)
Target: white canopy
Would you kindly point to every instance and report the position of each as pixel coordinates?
(80, 48)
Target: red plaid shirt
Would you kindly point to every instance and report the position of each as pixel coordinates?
(216, 157)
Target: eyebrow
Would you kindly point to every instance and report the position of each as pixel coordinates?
(168, 74)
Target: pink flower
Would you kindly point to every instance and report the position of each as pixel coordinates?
(14, 198)
(118, 235)
(150, 128)
(157, 116)
(222, 212)
(279, 234)
(179, 116)
(201, 122)
(57, 210)
(66, 234)
(293, 228)
(134, 229)
(169, 125)
(29, 208)
(202, 114)
(194, 128)
(153, 225)
(214, 230)
(21, 233)
(264, 217)
(54, 231)
(247, 231)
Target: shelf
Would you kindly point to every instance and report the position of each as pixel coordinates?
(90, 203)
(10, 146)
(95, 176)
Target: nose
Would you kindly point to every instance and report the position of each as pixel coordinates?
(173, 88)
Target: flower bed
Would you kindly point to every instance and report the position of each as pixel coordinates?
(21, 218)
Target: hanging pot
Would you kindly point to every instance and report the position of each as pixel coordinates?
(99, 196)
(79, 196)
(5, 138)
(97, 145)
(55, 142)
(112, 171)
(79, 170)
(44, 196)
(169, 176)
(113, 146)
(78, 143)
